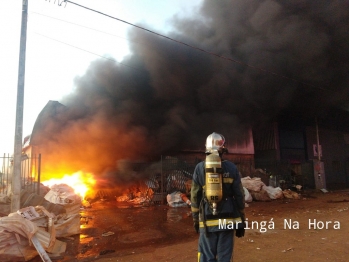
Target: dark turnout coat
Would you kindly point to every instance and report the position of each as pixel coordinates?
(230, 209)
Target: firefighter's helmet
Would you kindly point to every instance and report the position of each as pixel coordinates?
(215, 142)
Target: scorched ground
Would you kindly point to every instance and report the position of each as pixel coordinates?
(161, 233)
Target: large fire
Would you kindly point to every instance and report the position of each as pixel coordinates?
(81, 182)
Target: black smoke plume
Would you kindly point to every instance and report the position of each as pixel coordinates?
(292, 59)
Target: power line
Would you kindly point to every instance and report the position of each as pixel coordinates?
(197, 48)
(87, 51)
(83, 26)
(93, 29)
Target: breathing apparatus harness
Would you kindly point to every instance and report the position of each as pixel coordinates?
(213, 188)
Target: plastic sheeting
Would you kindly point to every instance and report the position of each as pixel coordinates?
(175, 199)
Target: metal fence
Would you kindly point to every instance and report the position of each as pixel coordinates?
(173, 174)
(30, 173)
(286, 174)
(169, 175)
(281, 170)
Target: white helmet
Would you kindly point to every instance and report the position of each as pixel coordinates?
(214, 142)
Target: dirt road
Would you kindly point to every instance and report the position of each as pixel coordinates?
(315, 228)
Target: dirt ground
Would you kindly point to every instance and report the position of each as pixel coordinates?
(161, 233)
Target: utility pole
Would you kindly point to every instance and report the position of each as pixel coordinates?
(16, 176)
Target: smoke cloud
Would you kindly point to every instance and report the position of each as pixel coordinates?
(165, 96)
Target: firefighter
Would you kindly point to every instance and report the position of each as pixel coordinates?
(218, 203)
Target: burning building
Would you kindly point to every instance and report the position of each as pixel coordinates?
(272, 59)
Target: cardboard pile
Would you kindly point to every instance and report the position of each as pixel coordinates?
(33, 230)
(18, 230)
(69, 223)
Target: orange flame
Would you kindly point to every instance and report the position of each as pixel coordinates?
(80, 182)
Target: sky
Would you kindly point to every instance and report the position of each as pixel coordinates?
(62, 41)
(282, 60)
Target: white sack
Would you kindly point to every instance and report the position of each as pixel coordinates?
(62, 194)
(274, 193)
(68, 226)
(252, 184)
(16, 229)
(248, 196)
(175, 200)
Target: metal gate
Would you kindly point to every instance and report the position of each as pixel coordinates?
(169, 175)
(30, 173)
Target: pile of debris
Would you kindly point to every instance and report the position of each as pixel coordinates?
(33, 230)
(178, 199)
(255, 189)
(138, 193)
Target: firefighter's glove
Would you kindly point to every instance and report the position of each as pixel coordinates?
(196, 221)
(240, 232)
